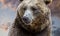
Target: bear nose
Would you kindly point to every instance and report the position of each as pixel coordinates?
(26, 20)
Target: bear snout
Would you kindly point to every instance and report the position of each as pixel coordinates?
(26, 20)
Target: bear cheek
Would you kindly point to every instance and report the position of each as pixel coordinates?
(21, 12)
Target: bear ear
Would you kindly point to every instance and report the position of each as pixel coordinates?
(47, 1)
(20, 0)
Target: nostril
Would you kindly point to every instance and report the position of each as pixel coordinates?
(26, 20)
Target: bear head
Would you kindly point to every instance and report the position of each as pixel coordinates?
(34, 14)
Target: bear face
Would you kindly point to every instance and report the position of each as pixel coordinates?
(34, 14)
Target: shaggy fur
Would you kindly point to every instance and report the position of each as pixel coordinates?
(40, 26)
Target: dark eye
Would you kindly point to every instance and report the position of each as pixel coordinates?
(33, 9)
(24, 8)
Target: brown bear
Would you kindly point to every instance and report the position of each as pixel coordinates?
(33, 19)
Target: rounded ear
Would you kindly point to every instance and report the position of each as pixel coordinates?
(20, 0)
(47, 1)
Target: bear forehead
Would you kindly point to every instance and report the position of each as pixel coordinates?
(33, 2)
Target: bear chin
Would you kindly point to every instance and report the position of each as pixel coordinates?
(32, 29)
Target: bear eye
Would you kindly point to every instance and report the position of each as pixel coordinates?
(34, 9)
(24, 8)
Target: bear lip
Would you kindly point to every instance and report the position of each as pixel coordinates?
(26, 22)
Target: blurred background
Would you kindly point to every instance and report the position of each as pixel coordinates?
(8, 14)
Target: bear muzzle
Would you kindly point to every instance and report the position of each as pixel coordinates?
(26, 20)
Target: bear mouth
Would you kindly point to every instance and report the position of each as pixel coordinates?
(34, 26)
(26, 22)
